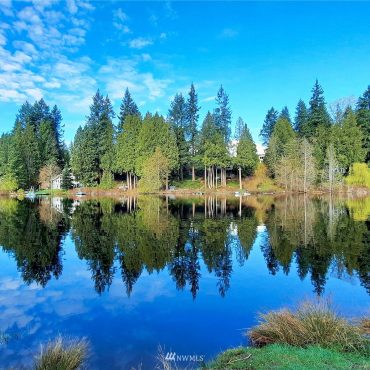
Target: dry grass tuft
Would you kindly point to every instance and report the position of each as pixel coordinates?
(310, 324)
(59, 355)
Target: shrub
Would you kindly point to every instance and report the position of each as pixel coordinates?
(311, 324)
(57, 355)
(359, 175)
(8, 183)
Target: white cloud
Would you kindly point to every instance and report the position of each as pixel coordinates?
(146, 57)
(163, 35)
(140, 43)
(209, 98)
(72, 7)
(6, 7)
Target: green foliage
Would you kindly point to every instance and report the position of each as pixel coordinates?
(268, 125)
(128, 108)
(8, 183)
(222, 114)
(317, 113)
(347, 138)
(156, 170)
(363, 119)
(246, 153)
(300, 119)
(282, 133)
(66, 178)
(359, 175)
(156, 133)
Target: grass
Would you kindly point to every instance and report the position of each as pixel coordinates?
(282, 356)
(188, 184)
(59, 355)
(310, 324)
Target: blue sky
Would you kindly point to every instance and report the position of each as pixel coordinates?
(264, 54)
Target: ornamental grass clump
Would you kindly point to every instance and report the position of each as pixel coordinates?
(60, 355)
(310, 324)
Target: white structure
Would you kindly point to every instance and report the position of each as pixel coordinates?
(56, 182)
(260, 152)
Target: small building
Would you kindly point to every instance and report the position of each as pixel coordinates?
(260, 152)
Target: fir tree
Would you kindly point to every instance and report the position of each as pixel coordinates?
(300, 119)
(128, 108)
(177, 118)
(66, 178)
(317, 114)
(246, 154)
(285, 114)
(192, 116)
(363, 119)
(222, 114)
(268, 125)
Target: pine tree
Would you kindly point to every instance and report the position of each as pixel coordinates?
(222, 114)
(317, 114)
(300, 119)
(128, 108)
(246, 154)
(192, 116)
(363, 119)
(239, 128)
(268, 125)
(48, 146)
(31, 155)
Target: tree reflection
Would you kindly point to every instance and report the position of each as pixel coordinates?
(189, 237)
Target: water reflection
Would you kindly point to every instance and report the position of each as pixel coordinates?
(321, 237)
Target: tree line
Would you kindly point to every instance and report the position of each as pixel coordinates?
(315, 148)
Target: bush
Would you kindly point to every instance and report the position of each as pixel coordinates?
(311, 324)
(8, 183)
(359, 175)
(58, 355)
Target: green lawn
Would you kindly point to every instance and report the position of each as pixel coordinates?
(289, 358)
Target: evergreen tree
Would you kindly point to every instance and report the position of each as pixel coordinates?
(363, 119)
(283, 132)
(48, 144)
(157, 133)
(177, 118)
(127, 148)
(268, 125)
(222, 114)
(285, 114)
(31, 155)
(239, 128)
(300, 119)
(192, 116)
(246, 154)
(317, 114)
(66, 178)
(347, 139)
(128, 108)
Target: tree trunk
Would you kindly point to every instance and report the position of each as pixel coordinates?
(240, 178)
(192, 173)
(216, 177)
(205, 177)
(166, 182)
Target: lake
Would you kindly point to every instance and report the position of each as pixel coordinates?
(188, 275)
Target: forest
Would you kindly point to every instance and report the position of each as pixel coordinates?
(318, 147)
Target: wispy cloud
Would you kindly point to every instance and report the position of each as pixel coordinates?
(120, 19)
(140, 42)
(229, 33)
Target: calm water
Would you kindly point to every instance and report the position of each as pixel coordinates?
(188, 275)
